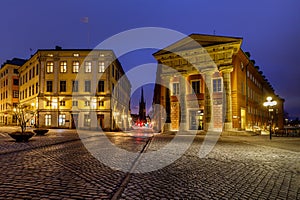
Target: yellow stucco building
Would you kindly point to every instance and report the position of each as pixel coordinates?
(70, 88)
(9, 90)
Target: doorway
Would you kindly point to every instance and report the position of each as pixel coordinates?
(243, 118)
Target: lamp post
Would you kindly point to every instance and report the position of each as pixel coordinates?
(269, 104)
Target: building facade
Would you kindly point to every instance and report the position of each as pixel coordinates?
(9, 90)
(206, 82)
(70, 88)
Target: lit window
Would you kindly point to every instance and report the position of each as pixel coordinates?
(196, 86)
(88, 66)
(101, 67)
(75, 66)
(49, 67)
(217, 85)
(63, 86)
(87, 86)
(62, 120)
(87, 120)
(100, 86)
(175, 88)
(15, 94)
(76, 54)
(48, 120)
(75, 86)
(63, 66)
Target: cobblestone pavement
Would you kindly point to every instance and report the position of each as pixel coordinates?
(58, 166)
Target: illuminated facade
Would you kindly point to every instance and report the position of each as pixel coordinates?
(71, 88)
(217, 87)
(9, 90)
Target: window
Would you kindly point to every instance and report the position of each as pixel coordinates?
(87, 120)
(63, 86)
(101, 103)
(175, 89)
(101, 67)
(16, 82)
(87, 86)
(88, 66)
(29, 74)
(100, 86)
(75, 66)
(63, 66)
(76, 54)
(74, 103)
(32, 89)
(62, 120)
(113, 71)
(49, 67)
(49, 103)
(37, 70)
(62, 103)
(75, 86)
(87, 103)
(16, 71)
(36, 88)
(196, 86)
(29, 91)
(49, 86)
(48, 120)
(217, 85)
(15, 94)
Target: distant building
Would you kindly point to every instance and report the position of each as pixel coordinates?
(71, 88)
(218, 87)
(9, 90)
(142, 108)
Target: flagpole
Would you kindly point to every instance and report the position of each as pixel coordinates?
(85, 20)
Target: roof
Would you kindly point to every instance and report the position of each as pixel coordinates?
(14, 61)
(198, 40)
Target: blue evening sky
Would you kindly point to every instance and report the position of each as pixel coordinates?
(270, 29)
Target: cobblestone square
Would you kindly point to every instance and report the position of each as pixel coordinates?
(58, 166)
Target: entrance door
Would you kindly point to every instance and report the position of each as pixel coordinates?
(100, 119)
(74, 120)
(243, 118)
(196, 120)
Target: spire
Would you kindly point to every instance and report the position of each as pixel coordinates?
(142, 96)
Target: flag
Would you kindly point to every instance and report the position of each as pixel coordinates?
(85, 20)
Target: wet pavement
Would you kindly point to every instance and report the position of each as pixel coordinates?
(59, 166)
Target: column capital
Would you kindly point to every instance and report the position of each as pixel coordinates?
(226, 69)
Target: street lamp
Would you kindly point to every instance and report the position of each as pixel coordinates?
(269, 104)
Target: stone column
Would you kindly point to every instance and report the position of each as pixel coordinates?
(208, 108)
(226, 70)
(183, 106)
(166, 102)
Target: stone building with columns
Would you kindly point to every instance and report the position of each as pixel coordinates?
(80, 88)
(207, 82)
